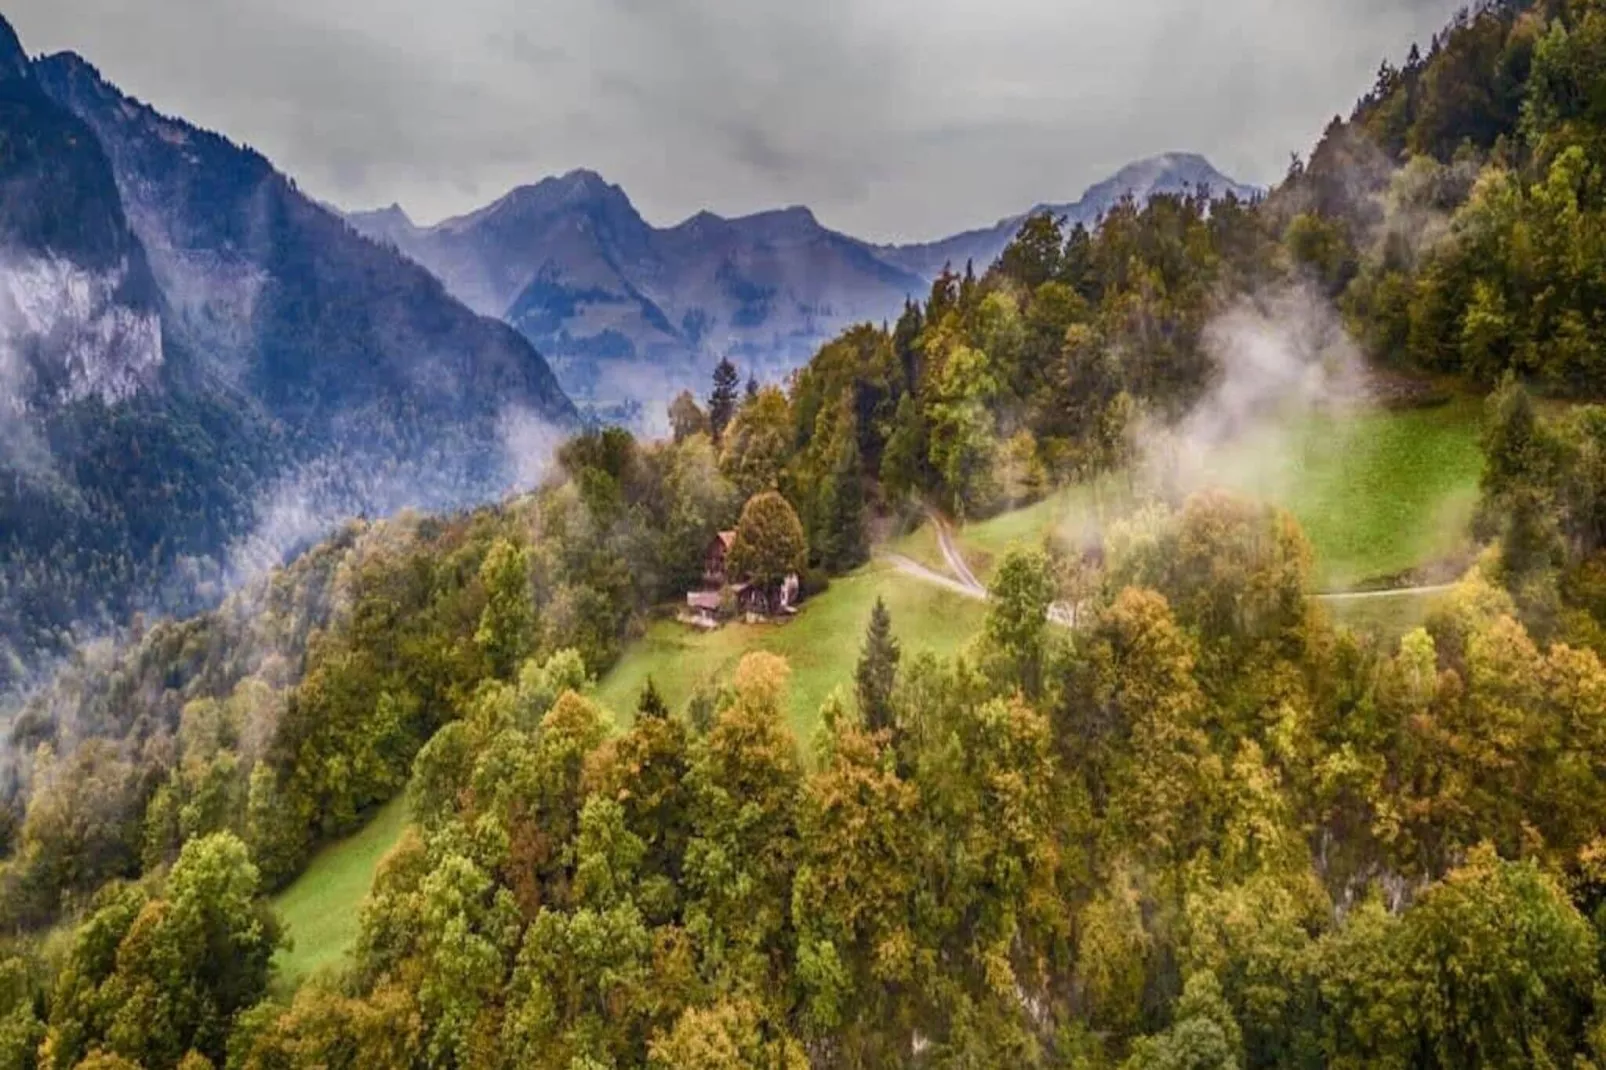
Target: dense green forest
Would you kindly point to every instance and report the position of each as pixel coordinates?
(1203, 828)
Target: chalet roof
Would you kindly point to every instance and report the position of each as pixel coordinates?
(727, 537)
(708, 600)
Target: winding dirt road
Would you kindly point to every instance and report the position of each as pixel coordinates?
(963, 580)
(1387, 592)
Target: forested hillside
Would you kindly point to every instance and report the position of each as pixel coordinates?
(201, 370)
(1204, 827)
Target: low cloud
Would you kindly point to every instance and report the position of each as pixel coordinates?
(890, 122)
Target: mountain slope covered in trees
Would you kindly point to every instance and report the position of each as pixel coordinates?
(203, 369)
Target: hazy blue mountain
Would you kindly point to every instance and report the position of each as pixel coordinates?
(626, 310)
(1170, 173)
(200, 368)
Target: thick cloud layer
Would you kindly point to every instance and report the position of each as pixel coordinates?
(890, 118)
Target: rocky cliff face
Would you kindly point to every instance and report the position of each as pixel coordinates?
(78, 315)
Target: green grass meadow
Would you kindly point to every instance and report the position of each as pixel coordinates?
(821, 643)
(1378, 492)
(320, 909)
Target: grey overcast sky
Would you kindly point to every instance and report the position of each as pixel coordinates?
(890, 118)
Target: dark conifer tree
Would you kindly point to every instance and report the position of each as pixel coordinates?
(722, 402)
(878, 670)
(844, 540)
(651, 703)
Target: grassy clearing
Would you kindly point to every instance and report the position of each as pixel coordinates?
(320, 909)
(821, 643)
(1378, 492)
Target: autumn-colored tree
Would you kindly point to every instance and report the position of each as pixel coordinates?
(757, 443)
(740, 863)
(506, 630)
(728, 1036)
(852, 901)
(686, 417)
(769, 543)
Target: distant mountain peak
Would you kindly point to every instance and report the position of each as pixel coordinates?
(584, 179)
(1172, 160)
(13, 60)
(795, 213)
(1166, 172)
(794, 221)
(392, 215)
(579, 188)
(1169, 172)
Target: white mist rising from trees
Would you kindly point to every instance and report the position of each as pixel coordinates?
(1281, 359)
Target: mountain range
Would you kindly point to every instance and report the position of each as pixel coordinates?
(628, 310)
(200, 367)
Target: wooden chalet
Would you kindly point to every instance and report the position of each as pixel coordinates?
(719, 595)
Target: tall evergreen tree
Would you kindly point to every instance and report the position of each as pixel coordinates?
(752, 386)
(844, 542)
(1034, 256)
(651, 703)
(722, 402)
(878, 670)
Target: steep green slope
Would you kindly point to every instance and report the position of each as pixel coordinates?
(821, 644)
(321, 910)
(1379, 492)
